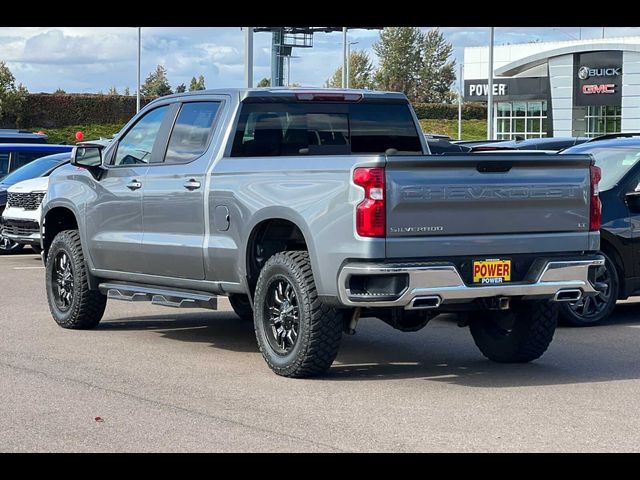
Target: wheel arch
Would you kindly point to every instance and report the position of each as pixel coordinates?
(273, 232)
(56, 219)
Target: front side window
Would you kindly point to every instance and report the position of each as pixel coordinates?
(191, 132)
(137, 145)
(291, 129)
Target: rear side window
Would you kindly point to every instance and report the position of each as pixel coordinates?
(20, 159)
(191, 132)
(291, 129)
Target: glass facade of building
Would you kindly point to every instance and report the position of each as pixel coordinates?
(524, 119)
(603, 119)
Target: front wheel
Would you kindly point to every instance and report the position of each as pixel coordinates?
(298, 335)
(592, 310)
(519, 335)
(71, 302)
(9, 247)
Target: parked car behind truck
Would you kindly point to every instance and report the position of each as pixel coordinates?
(310, 209)
(618, 156)
(40, 167)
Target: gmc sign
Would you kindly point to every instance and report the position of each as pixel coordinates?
(591, 89)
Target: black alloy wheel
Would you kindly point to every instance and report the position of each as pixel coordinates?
(282, 316)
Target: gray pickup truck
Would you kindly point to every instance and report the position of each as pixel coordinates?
(310, 209)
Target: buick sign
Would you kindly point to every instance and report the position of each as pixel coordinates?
(588, 72)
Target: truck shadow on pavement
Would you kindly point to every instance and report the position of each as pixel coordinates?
(441, 352)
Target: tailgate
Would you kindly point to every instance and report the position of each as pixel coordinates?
(431, 196)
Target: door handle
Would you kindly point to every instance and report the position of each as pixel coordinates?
(192, 184)
(134, 185)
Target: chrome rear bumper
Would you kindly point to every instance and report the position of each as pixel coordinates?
(432, 284)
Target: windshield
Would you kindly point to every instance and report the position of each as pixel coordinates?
(34, 169)
(615, 160)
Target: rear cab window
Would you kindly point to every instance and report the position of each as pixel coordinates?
(325, 128)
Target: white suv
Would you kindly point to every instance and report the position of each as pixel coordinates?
(21, 217)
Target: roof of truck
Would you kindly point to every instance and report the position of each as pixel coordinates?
(276, 92)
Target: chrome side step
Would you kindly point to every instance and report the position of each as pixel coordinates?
(159, 295)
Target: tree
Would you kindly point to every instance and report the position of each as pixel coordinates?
(197, 84)
(12, 97)
(59, 91)
(437, 74)
(399, 58)
(265, 82)
(181, 88)
(113, 91)
(360, 72)
(156, 84)
(127, 92)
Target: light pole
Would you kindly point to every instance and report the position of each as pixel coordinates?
(139, 57)
(349, 60)
(490, 86)
(248, 57)
(344, 57)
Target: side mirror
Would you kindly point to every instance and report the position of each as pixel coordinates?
(88, 156)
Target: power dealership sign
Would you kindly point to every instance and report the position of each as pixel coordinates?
(507, 89)
(598, 78)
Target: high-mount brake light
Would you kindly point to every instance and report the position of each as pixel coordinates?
(328, 97)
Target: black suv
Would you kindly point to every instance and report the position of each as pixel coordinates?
(618, 156)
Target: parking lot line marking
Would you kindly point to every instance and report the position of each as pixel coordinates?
(26, 268)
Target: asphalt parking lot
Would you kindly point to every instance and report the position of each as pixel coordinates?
(193, 380)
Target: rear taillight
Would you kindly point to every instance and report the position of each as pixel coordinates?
(370, 213)
(595, 210)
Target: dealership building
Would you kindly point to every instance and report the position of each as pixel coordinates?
(572, 88)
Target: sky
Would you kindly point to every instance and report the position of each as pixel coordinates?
(93, 60)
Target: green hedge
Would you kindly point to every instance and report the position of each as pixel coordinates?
(53, 110)
(449, 111)
(49, 110)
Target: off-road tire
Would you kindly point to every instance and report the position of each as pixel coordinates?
(242, 307)
(87, 306)
(533, 326)
(320, 326)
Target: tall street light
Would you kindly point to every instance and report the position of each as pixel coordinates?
(490, 86)
(344, 57)
(138, 89)
(349, 60)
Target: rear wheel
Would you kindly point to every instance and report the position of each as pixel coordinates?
(9, 247)
(595, 309)
(298, 335)
(71, 302)
(242, 306)
(519, 335)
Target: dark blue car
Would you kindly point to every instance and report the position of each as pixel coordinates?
(16, 155)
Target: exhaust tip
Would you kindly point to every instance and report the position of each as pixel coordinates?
(420, 303)
(568, 295)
